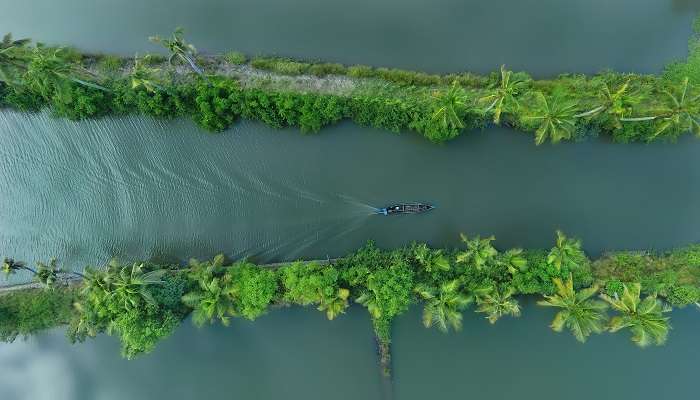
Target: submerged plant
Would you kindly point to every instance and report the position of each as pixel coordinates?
(644, 318)
(578, 313)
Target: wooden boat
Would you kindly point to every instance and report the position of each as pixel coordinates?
(409, 208)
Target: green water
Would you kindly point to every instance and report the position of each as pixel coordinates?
(141, 188)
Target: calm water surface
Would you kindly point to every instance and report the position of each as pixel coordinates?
(141, 188)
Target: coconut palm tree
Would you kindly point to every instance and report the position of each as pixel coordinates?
(49, 73)
(555, 118)
(336, 305)
(504, 95)
(48, 274)
(430, 260)
(579, 313)
(451, 106)
(644, 317)
(178, 48)
(497, 303)
(479, 252)
(682, 112)
(513, 260)
(130, 284)
(213, 299)
(614, 102)
(443, 305)
(10, 267)
(566, 252)
(14, 57)
(143, 76)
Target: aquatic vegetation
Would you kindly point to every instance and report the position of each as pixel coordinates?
(282, 92)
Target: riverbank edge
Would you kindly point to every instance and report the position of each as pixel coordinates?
(283, 92)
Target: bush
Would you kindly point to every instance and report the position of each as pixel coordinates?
(361, 71)
(77, 102)
(323, 69)
(218, 104)
(109, 64)
(280, 65)
(308, 283)
(235, 57)
(255, 289)
(28, 312)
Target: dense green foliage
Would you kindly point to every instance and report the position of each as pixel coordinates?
(143, 303)
(629, 107)
(24, 313)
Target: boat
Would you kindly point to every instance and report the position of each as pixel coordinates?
(405, 208)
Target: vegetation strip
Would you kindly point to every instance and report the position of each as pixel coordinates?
(143, 303)
(215, 91)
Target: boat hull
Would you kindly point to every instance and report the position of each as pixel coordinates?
(405, 208)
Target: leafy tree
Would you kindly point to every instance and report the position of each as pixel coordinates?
(444, 305)
(555, 118)
(644, 317)
(336, 304)
(579, 313)
(497, 303)
(451, 107)
(178, 48)
(479, 252)
(567, 252)
(505, 95)
(253, 289)
(130, 285)
(11, 267)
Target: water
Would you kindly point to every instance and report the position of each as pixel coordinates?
(140, 188)
(545, 37)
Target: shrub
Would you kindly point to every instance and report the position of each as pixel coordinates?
(323, 69)
(280, 65)
(218, 104)
(361, 71)
(235, 57)
(24, 313)
(255, 289)
(308, 283)
(109, 64)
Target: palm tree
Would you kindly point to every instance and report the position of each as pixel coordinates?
(451, 106)
(556, 118)
(579, 313)
(682, 112)
(143, 76)
(479, 251)
(644, 317)
(497, 304)
(14, 58)
(49, 274)
(430, 260)
(513, 260)
(10, 267)
(615, 103)
(130, 285)
(566, 252)
(504, 96)
(178, 48)
(336, 305)
(48, 73)
(214, 297)
(443, 306)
